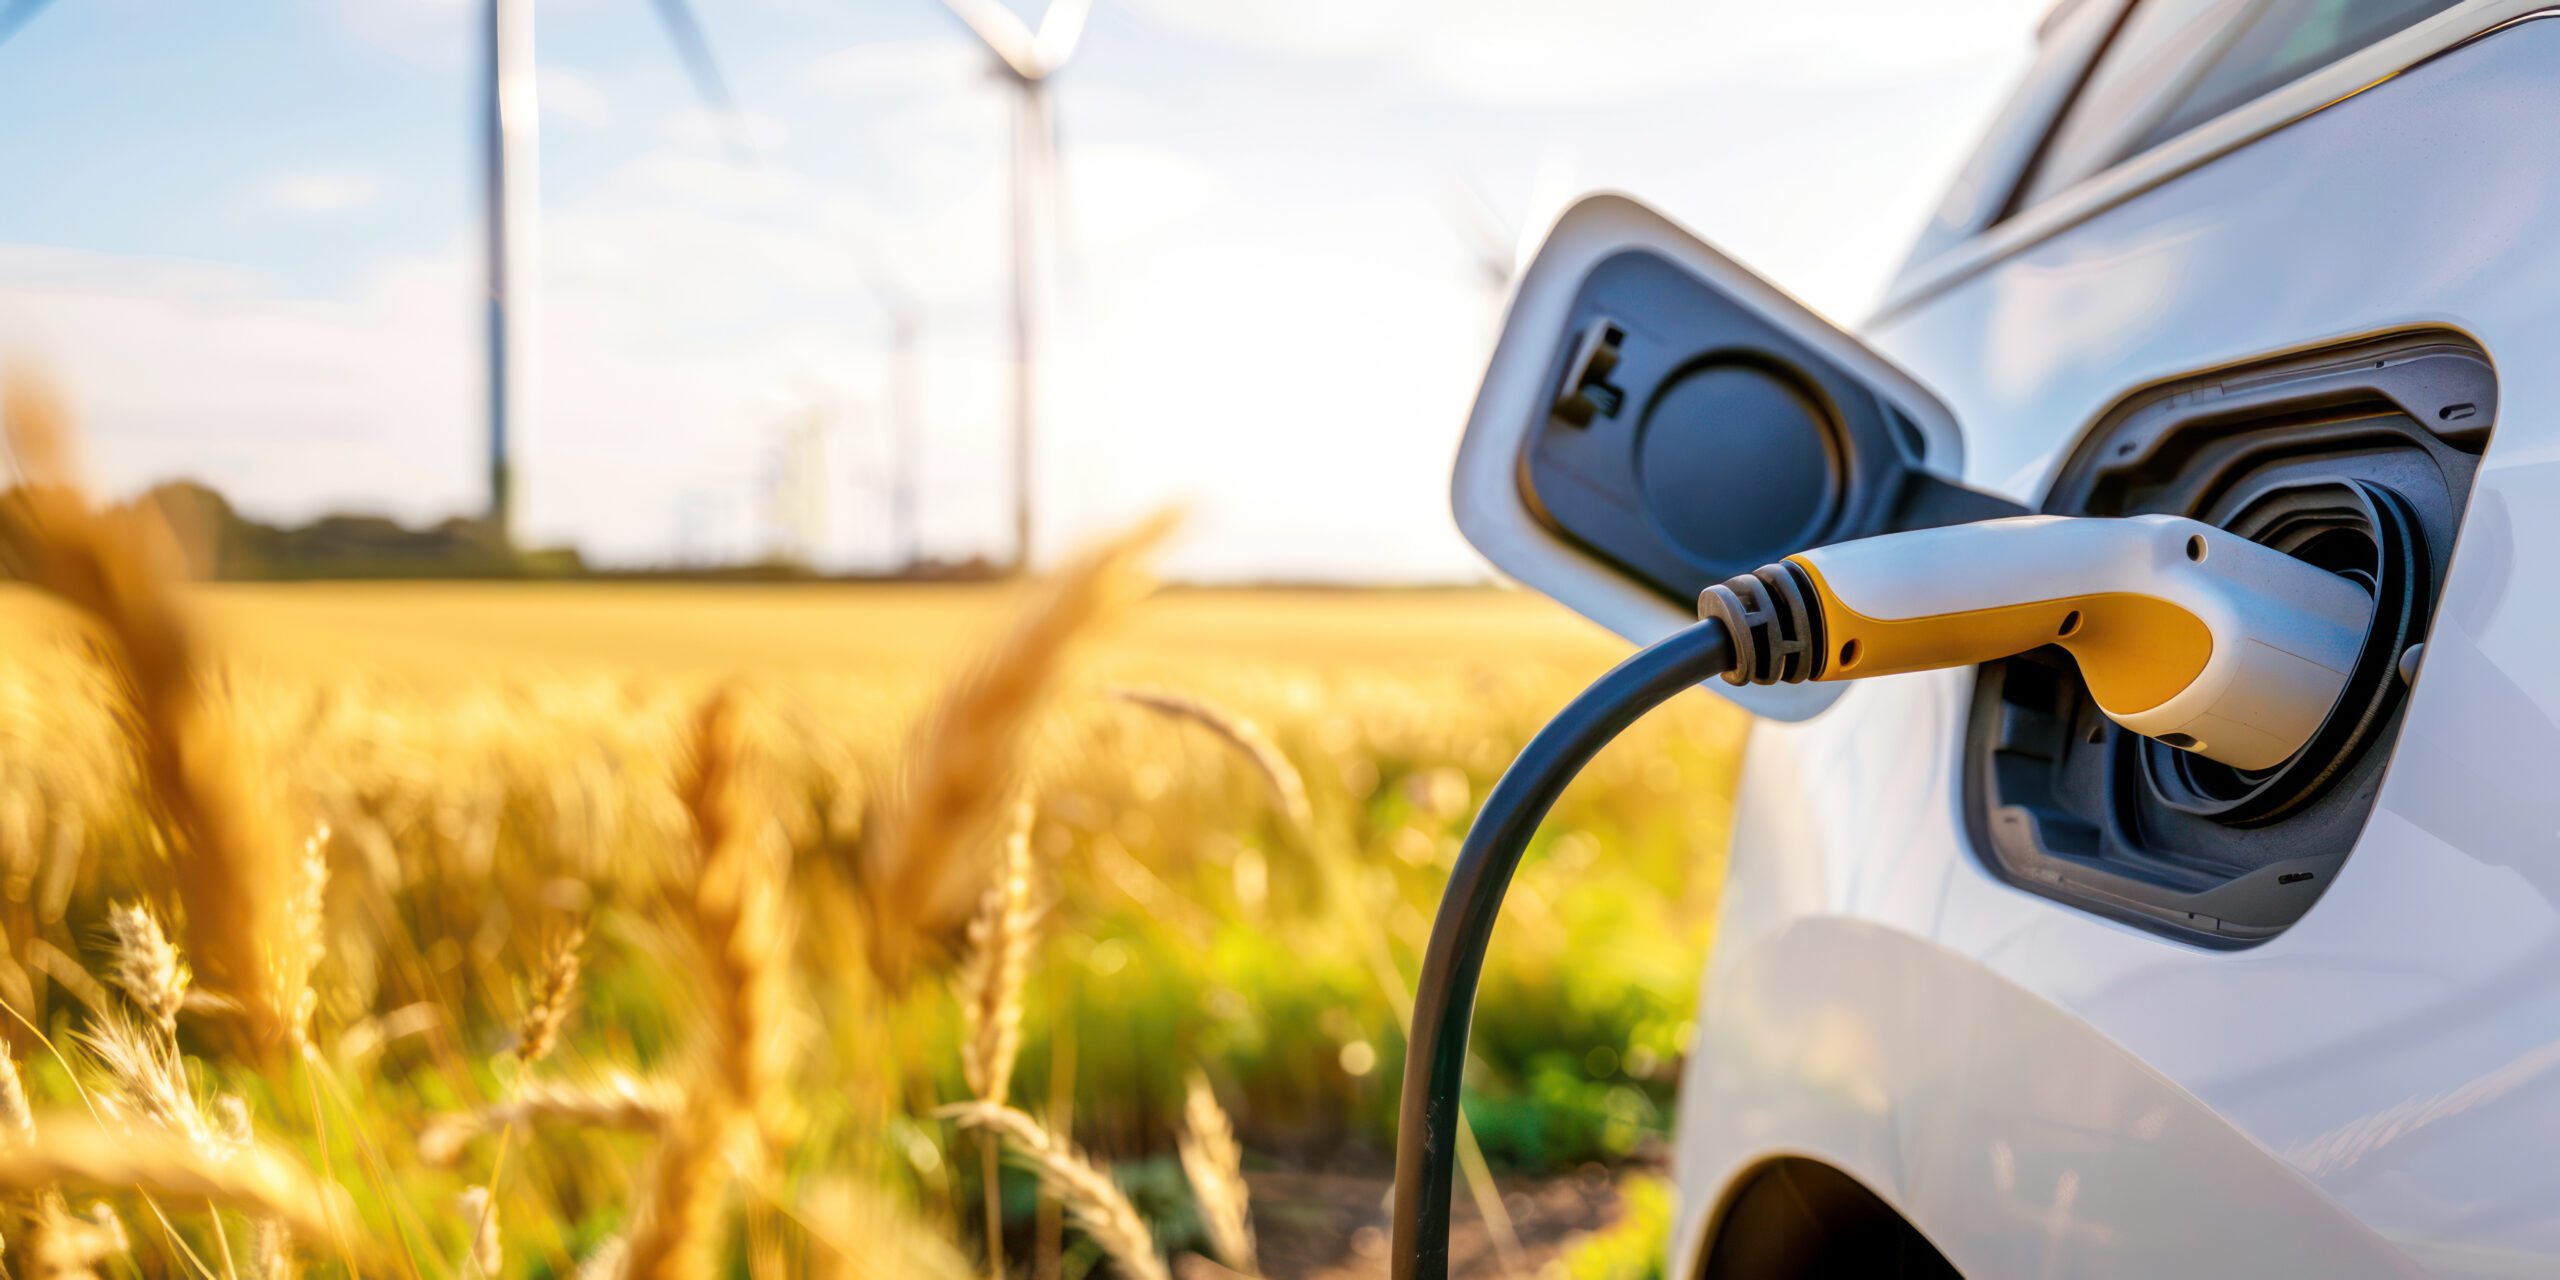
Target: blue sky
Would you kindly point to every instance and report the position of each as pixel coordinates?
(245, 235)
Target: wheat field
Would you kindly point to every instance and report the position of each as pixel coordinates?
(644, 930)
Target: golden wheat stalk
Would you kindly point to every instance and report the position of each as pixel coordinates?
(990, 998)
(485, 1256)
(17, 1119)
(1096, 1202)
(234, 865)
(864, 1233)
(552, 993)
(1288, 787)
(271, 1252)
(271, 1247)
(675, 1233)
(290, 967)
(991, 974)
(68, 973)
(63, 1247)
(610, 1260)
(733, 910)
(922, 877)
(618, 1102)
(75, 1151)
(1214, 1163)
(145, 964)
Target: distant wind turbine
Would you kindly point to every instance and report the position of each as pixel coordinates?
(511, 211)
(905, 316)
(1028, 58)
(1498, 248)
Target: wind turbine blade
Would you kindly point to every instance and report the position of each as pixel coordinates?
(1488, 236)
(1061, 29)
(1552, 186)
(1002, 31)
(15, 17)
(703, 68)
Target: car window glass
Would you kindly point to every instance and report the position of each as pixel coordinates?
(2178, 63)
(2282, 41)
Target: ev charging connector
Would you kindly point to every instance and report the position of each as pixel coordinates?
(2183, 632)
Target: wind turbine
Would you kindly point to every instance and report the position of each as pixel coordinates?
(511, 212)
(1496, 247)
(905, 317)
(1028, 58)
(17, 14)
(511, 205)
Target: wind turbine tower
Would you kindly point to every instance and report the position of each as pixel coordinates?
(1027, 59)
(511, 214)
(511, 193)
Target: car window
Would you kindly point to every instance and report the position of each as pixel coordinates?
(2175, 64)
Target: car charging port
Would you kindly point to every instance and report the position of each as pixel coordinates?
(2360, 531)
(2358, 459)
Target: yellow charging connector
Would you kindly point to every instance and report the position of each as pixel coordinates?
(2183, 632)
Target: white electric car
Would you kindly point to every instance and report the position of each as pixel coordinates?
(2000, 988)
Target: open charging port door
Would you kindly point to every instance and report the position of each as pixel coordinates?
(1656, 419)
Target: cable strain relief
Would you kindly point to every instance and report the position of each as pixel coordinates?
(1775, 625)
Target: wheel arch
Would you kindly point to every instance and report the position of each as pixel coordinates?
(1792, 1216)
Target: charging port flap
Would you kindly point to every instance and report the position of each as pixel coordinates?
(1656, 419)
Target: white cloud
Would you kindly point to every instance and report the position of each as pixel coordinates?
(1532, 52)
(898, 69)
(292, 405)
(572, 97)
(718, 180)
(1119, 191)
(706, 128)
(321, 192)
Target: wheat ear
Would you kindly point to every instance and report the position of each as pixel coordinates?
(73, 1150)
(733, 909)
(1214, 1163)
(233, 862)
(1288, 787)
(1096, 1202)
(618, 1102)
(150, 1081)
(290, 967)
(552, 993)
(922, 877)
(991, 974)
(146, 965)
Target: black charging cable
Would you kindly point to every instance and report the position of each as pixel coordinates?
(1444, 1001)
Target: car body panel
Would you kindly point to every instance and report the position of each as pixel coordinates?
(2043, 1091)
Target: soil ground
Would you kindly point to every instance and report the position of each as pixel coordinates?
(1332, 1226)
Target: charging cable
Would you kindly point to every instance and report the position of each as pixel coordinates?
(2183, 632)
